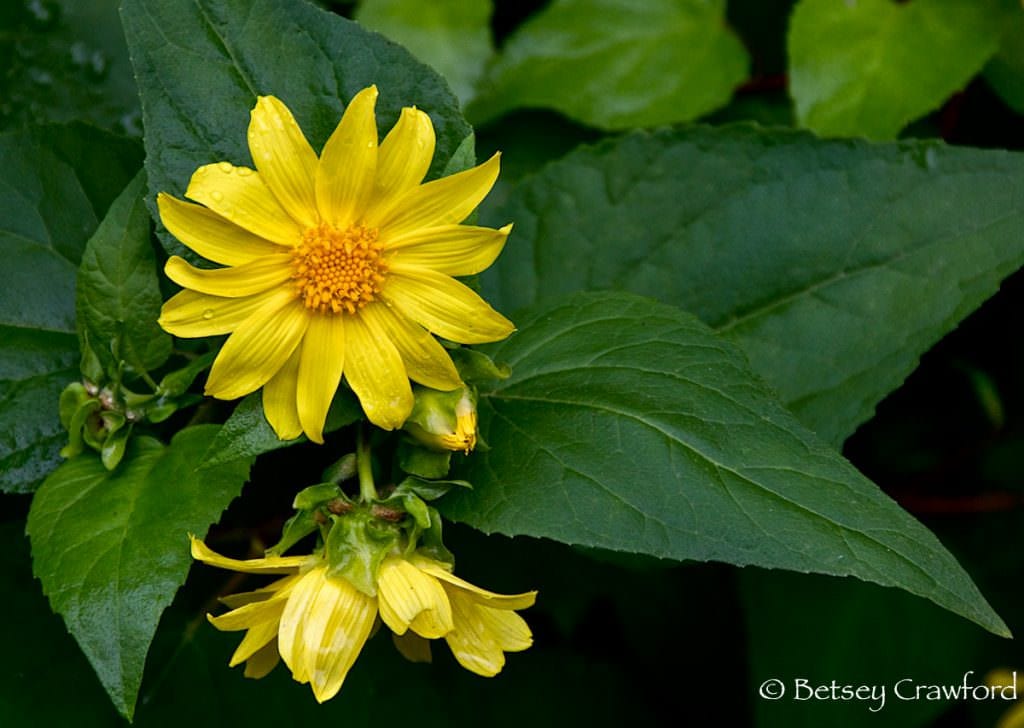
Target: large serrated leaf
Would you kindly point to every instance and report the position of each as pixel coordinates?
(118, 295)
(629, 425)
(617, 64)
(834, 265)
(56, 182)
(869, 67)
(201, 65)
(111, 548)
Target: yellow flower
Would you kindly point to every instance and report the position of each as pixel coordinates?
(318, 623)
(337, 265)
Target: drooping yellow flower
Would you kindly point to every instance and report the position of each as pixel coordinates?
(337, 265)
(318, 623)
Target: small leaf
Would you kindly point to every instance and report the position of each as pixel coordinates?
(118, 293)
(424, 462)
(870, 67)
(111, 548)
(606, 63)
(628, 425)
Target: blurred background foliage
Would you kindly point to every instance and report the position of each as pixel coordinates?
(619, 640)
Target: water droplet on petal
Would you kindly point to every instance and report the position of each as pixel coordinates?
(226, 166)
(217, 195)
(243, 171)
(208, 314)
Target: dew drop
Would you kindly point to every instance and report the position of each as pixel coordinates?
(243, 171)
(208, 314)
(217, 195)
(225, 166)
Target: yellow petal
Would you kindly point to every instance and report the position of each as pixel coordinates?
(211, 235)
(261, 663)
(471, 642)
(348, 163)
(412, 647)
(279, 399)
(240, 195)
(258, 637)
(284, 159)
(376, 373)
(446, 201)
(189, 314)
(425, 360)
(323, 355)
(352, 615)
(405, 154)
(455, 250)
(297, 617)
(484, 597)
(250, 615)
(506, 628)
(257, 350)
(266, 565)
(445, 307)
(408, 597)
(233, 601)
(242, 280)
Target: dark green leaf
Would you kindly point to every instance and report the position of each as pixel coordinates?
(617, 64)
(628, 425)
(834, 265)
(118, 294)
(55, 184)
(200, 67)
(868, 68)
(1005, 72)
(248, 434)
(452, 36)
(111, 548)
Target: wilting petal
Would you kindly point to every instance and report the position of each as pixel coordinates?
(405, 155)
(473, 592)
(412, 647)
(279, 399)
(455, 250)
(240, 195)
(445, 307)
(249, 615)
(284, 159)
(351, 618)
(408, 597)
(189, 314)
(210, 235)
(425, 360)
(297, 619)
(376, 373)
(320, 367)
(261, 663)
(242, 280)
(348, 163)
(257, 350)
(266, 565)
(445, 201)
(471, 642)
(506, 628)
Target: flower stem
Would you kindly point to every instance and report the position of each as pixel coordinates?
(364, 464)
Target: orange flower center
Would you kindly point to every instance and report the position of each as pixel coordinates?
(338, 271)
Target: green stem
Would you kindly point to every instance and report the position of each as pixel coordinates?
(364, 464)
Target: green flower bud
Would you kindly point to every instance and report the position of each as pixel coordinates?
(444, 420)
